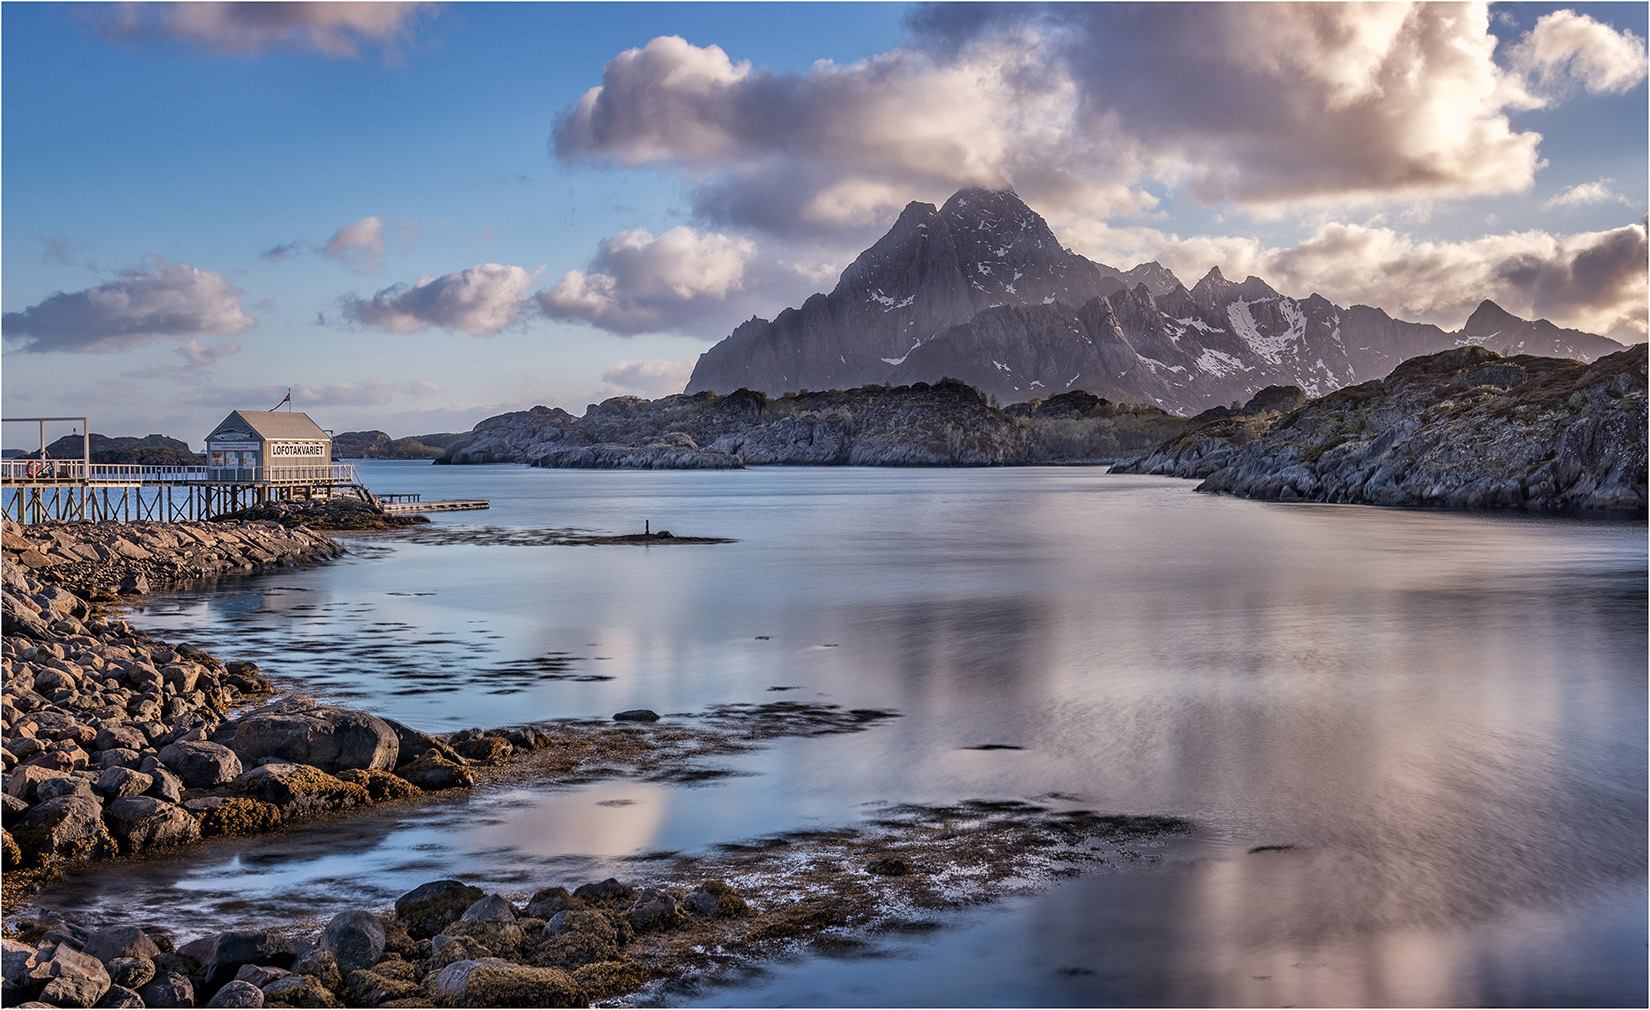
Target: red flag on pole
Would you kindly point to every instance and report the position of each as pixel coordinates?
(285, 399)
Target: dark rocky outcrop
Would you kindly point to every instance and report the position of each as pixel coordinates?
(945, 424)
(379, 445)
(149, 450)
(1462, 428)
(323, 514)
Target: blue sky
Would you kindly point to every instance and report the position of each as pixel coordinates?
(417, 216)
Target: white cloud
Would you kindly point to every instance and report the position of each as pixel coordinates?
(638, 283)
(480, 300)
(359, 245)
(171, 301)
(201, 355)
(423, 388)
(1584, 194)
(338, 30)
(650, 379)
(1565, 49)
(1079, 107)
(1595, 281)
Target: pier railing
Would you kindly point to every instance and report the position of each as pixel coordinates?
(17, 472)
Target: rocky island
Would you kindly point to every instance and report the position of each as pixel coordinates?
(947, 423)
(1461, 428)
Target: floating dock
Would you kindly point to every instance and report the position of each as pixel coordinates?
(412, 504)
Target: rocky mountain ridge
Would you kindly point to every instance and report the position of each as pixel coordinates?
(947, 423)
(1460, 428)
(980, 289)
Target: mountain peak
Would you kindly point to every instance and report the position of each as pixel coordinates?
(1489, 318)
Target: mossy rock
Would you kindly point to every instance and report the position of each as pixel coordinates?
(430, 772)
(574, 937)
(380, 785)
(240, 816)
(307, 993)
(494, 937)
(488, 749)
(301, 789)
(11, 856)
(716, 900)
(510, 985)
(609, 978)
(381, 983)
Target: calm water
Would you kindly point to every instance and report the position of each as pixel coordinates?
(1443, 714)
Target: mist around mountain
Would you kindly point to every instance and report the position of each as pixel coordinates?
(981, 290)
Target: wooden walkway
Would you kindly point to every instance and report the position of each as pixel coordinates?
(76, 490)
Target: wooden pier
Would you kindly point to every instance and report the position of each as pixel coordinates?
(45, 490)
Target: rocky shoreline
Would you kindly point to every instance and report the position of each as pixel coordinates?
(117, 744)
(1466, 428)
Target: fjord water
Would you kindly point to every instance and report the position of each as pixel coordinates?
(1431, 724)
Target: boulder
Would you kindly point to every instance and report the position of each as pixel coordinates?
(70, 978)
(355, 938)
(260, 975)
(331, 739)
(300, 790)
(67, 829)
(299, 991)
(429, 908)
(388, 981)
(493, 906)
(655, 911)
(121, 781)
(636, 715)
(142, 823)
(233, 949)
(201, 764)
(577, 936)
(239, 815)
(412, 743)
(131, 972)
(432, 772)
(490, 982)
(716, 900)
(610, 892)
(62, 785)
(236, 993)
(169, 989)
(120, 996)
(117, 942)
(380, 785)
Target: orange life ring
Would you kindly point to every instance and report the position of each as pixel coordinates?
(33, 469)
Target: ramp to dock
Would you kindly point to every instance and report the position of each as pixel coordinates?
(406, 508)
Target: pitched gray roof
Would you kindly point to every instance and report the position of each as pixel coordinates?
(272, 424)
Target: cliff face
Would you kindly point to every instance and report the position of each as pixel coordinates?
(1466, 427)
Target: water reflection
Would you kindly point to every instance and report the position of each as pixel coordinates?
(1441, 716)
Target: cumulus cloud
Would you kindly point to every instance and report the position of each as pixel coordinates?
(1595, 281)
(650, 378)
(638, 283)
(1566, 49)
(1082, 108)
(359, 245)
(170, 301)
(1584, 194)
(335, 30)
(480, 300)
